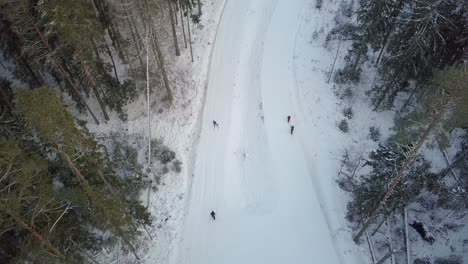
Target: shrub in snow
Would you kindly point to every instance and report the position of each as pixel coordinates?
(177, 166)
(125, 158)
(348, 93)
(374, 133)
(453, 259)
(348, 112)
(161, 152)
(164, 170)
(117, 94)
(346, 184)
(166, 155)
(318, 4)
(315, 35)
(343, 126)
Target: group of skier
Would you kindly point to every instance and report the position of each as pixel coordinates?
(215, 125)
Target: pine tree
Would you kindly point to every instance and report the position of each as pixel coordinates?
(91, 168)
(414, 130)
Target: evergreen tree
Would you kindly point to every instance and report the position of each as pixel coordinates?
(77, 163)
(415, 130)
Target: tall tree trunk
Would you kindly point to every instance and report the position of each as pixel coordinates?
(387, 89)
(161, 64)
(182, 25)
(92, 81)
(334, 61)
(190, 37)
(65, 74)
(408, 162)
(199, 8)
(19, 40)
(31, 229)
(89, 191)
(174, 33)
(176, 8)
(134, 32)
(112, 60)
(384, 44)
(107, 23)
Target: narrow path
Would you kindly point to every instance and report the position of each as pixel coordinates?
(250, 170)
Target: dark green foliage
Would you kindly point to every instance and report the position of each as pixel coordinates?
(384, 164)
(45, 195)
(125, 160)
(318, 4)
(410, 39)
(6, 96)
(348, 112)
(165, 156)
(117, 95)
(343, 126)
(161, 152)
(374, 133)
(442, 107)
(63, 38)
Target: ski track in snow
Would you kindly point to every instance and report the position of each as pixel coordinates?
(261, 181)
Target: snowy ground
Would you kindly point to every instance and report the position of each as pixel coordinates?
(274, 193)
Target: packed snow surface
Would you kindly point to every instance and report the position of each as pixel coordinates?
(258, 177)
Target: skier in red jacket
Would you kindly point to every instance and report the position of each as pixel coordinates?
(289, 118)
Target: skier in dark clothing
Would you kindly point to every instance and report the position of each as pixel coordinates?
(289, 118)
(215, 124)
(292, 129)
(213, 215)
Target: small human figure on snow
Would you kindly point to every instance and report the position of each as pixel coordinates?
(292, 129)
(213, 215)
(289, 118)
(215, 124)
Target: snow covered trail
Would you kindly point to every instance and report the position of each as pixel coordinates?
(250, 170)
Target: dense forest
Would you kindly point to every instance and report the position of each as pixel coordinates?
(63, 195)
(419, 50)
